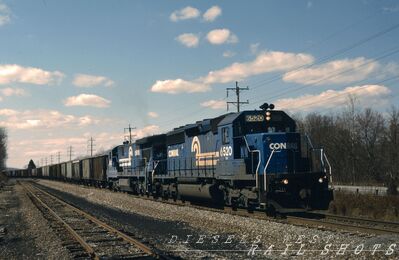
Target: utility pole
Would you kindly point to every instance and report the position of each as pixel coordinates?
(130, 132)
(59, 157)
(69, 152)
(51, 159)
(90, 145)
(237, 89)
(46, 161)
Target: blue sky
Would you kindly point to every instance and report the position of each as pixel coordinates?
(74, 69)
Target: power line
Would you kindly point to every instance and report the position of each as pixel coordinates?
(339, 52)
(342, 94)
(70, 152)
(59, 157)
(90, 145)
(395, 51)
(328, 57)
(237, 90)
(130, 133)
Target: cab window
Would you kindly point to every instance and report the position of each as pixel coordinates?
(225, 135)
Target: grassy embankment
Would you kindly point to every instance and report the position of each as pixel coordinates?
(366, 206)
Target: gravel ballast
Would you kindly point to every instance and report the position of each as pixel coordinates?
(220, 234)
(26, 234)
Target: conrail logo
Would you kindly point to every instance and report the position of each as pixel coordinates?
(283, 146)
(203, 159)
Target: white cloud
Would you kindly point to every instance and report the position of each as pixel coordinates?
(13, 92)
(153, 114)
(42, 119)
(212, 13)
(189, 40)
(174, 86)
(84, 80)
(8, 112)
(87, 100)
(5, 14)
(267, 61)
(228, 54)
(334, 72)
(253, 48)
(15, 73)
(367, 95)
(391, 9)
(184, 14)
(146, 131)
(221, 36)
(214, 104)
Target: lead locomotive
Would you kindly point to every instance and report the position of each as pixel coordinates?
(252, 159)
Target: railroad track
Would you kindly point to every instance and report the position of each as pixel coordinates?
(85, 236)
(319, 220)
(356, 224)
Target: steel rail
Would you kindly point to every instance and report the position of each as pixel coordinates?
(354, 226)
(75, 235)
(322, 221)
(110, 229)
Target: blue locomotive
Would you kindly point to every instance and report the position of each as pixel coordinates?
(252, 159)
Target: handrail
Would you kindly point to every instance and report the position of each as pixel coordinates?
(153, 171)
(259, 162)
(329, 170)
(309, 141)
(264, 170)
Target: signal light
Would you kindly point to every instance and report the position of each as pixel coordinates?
(266, 106)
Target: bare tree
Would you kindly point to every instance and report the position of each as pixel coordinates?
(370, 131)
(391, 146)
(3, 148)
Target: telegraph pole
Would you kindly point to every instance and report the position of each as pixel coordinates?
(46, 161)
(130, 132)
(69, 152)
(237, 89)
(59, 157)
(90, 145)
(51, 159)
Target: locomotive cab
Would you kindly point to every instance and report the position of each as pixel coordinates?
(288, 173)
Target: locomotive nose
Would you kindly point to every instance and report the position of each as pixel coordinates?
(305, 193)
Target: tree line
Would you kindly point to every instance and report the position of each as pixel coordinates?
(3, 148)
(361, 144)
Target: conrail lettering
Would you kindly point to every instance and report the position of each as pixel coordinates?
(283, 146)
(173, 153)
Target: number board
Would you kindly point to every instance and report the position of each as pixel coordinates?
(254, 118)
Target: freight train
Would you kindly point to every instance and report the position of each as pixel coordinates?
(252, 159)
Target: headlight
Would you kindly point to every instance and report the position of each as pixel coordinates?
(268, 118)
(285, 181)
(321, 180)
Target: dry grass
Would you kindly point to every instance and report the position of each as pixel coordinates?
(3, 179)
(365, 205)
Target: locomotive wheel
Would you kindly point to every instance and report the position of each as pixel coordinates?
(271, 211)
(234, 204)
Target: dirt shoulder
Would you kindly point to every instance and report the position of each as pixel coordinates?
(26, 234)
